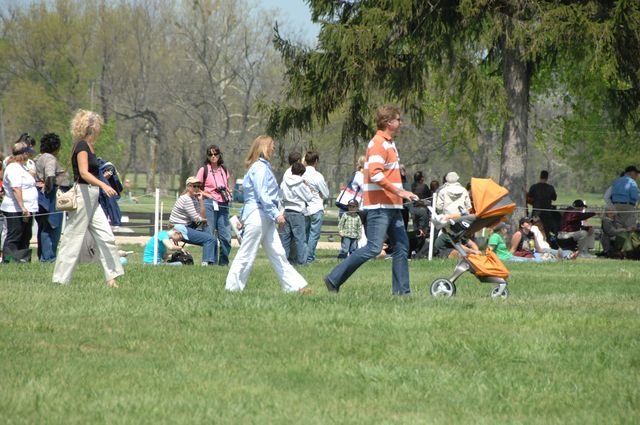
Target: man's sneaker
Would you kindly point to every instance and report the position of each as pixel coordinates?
(329, 285)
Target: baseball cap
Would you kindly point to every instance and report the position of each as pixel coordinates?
(21, 148)
(524, 220)
(579, 203)
(452, 177)
(192, 180)
(500, 226)
(352, 203)
(182, 229)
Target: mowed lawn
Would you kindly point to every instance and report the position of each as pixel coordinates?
(171, 347)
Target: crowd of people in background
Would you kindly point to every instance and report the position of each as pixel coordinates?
(286, 218)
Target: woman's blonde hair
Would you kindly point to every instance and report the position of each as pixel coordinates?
(361, 162)
(259, 149)
(84, 124)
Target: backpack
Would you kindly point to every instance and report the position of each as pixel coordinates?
(181, 257)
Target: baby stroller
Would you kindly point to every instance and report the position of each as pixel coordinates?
(491, 203)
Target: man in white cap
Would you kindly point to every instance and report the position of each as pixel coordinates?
(452, 196)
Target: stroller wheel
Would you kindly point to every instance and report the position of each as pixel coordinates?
(499, 292)
(442, 288)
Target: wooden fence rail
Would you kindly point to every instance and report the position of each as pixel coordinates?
(141, 224)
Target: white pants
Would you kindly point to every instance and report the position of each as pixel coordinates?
(87, 217)
(259, 228)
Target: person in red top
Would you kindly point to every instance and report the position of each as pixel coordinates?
(383, 198)
(571, 227)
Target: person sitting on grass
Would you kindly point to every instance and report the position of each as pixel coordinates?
(522, 243)
(189, 211)
(168, 241)
(349, 229)
(443, 247)
(543, 247)
(498, 245)
(571, 227)
(618, 241)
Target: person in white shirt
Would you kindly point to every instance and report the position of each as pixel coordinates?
(541, 244)
(315, 208)
(19, 205)
(295, 196)
(452, 196)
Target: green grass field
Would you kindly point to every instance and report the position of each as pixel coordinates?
(171, 347)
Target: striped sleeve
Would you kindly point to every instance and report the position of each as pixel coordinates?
(382, 175)
(185, 211)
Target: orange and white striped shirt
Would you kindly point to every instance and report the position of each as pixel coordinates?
(382, 174)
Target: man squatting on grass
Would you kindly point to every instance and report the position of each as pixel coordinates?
(383, 198)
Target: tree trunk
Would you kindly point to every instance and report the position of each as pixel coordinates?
(484, 157)
(513, 167)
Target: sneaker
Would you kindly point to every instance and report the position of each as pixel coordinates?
(329, 285)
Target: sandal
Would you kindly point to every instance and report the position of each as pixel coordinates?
(112, 284)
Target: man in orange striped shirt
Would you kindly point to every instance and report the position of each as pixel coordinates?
(383, 198)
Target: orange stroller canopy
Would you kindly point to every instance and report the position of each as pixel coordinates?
(490, 199)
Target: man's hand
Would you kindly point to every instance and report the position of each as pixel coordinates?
(280, 219)
(409, 196)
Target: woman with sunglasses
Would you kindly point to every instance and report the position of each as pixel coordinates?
(189, 211)
(215, 180)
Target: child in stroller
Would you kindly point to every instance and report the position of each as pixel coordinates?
(491, 203)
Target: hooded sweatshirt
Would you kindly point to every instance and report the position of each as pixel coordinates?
(450, 197)
(295, 193)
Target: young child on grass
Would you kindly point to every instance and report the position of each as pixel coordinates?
(349, 229)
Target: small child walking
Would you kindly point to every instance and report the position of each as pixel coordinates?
(349, 229)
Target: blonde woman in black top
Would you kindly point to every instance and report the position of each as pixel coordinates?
(85, 130)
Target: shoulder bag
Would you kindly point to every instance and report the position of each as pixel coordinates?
(67, 201)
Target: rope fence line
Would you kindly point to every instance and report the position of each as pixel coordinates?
(594, 209)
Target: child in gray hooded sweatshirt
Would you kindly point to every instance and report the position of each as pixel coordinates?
(295, 196)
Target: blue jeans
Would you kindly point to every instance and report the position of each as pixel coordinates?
(380, 222)
(204, 239)
(48, 238)
(314, 224)
(347, 246)
(294, 230)
(218, 223)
